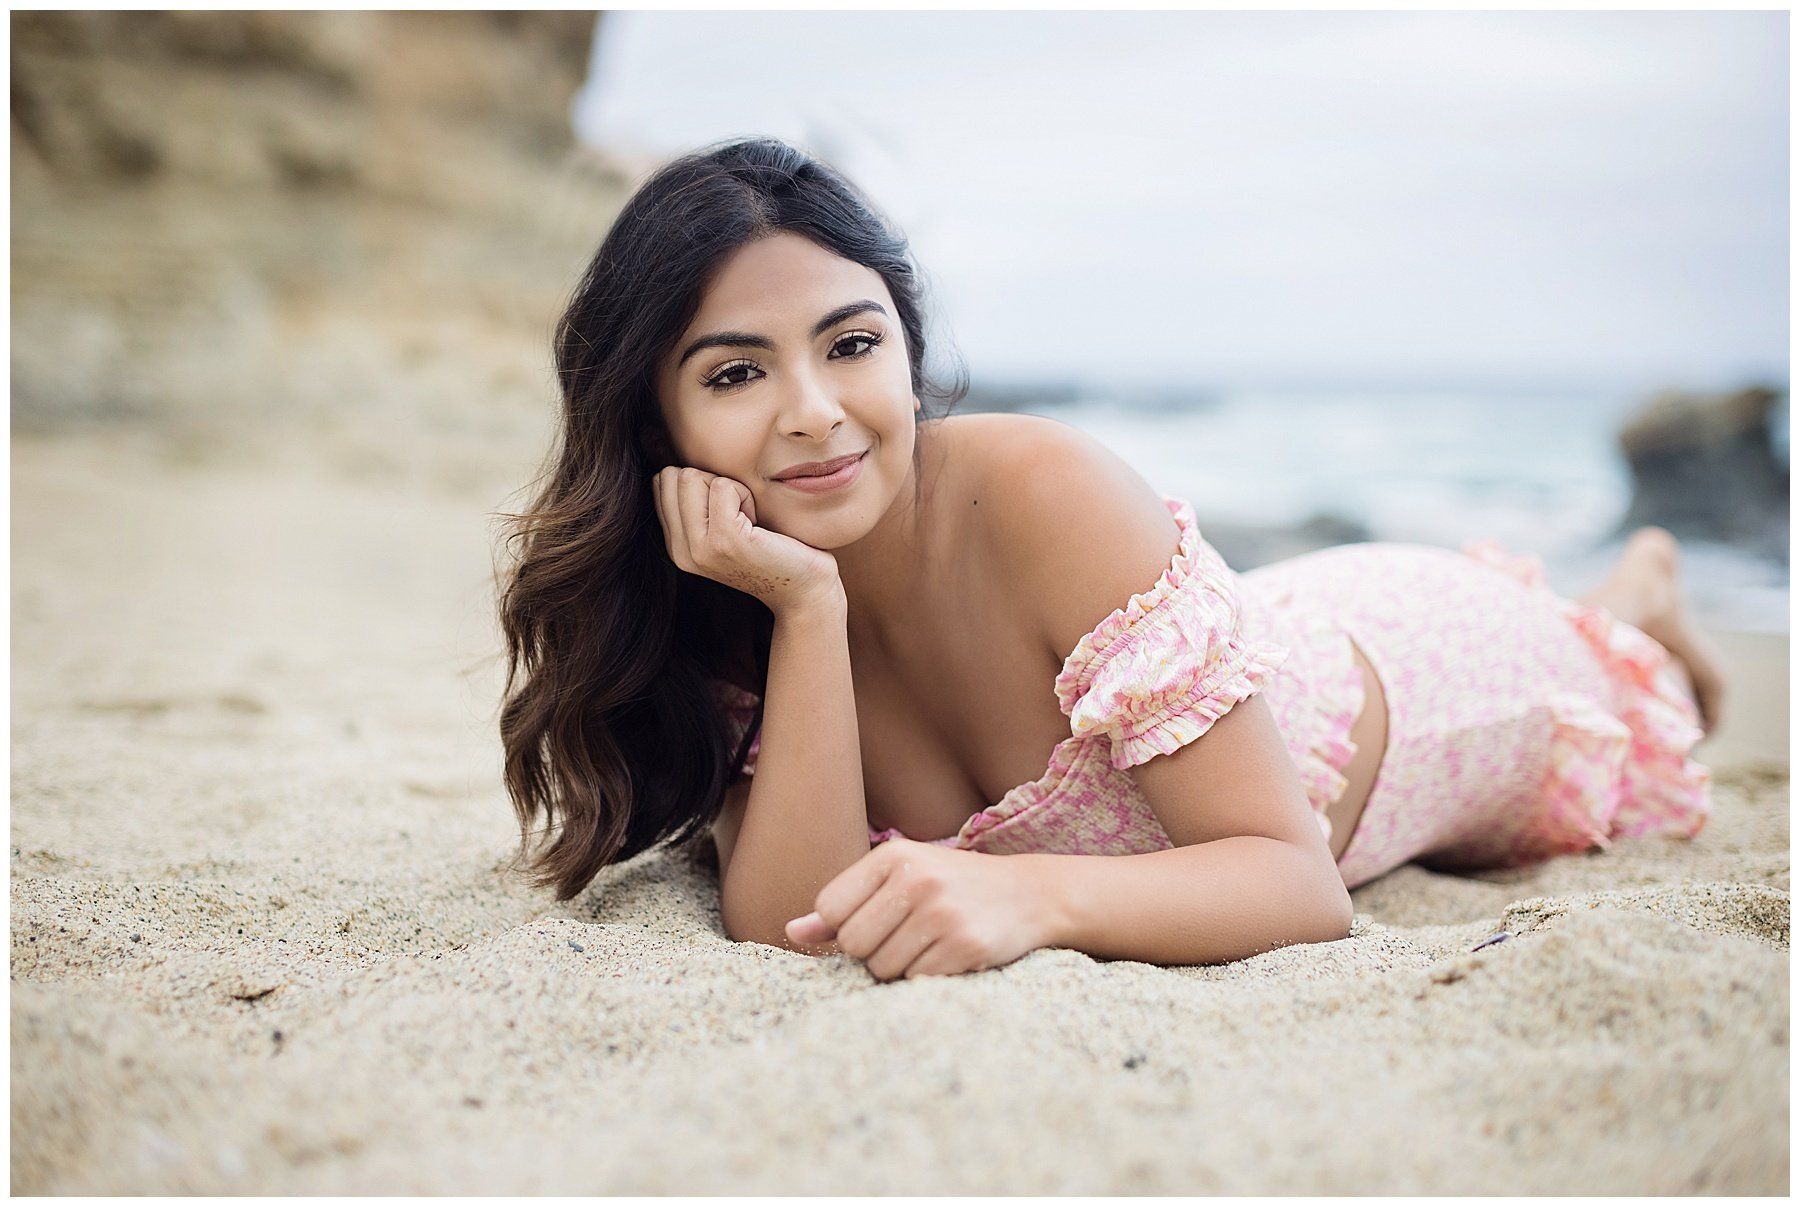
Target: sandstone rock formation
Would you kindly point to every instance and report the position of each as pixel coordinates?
(343, 232)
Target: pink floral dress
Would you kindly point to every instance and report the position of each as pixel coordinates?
(1520, 724)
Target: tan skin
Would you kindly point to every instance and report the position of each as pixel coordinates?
(922, 595)
(952, 663)
(935, 753)
(935, 749)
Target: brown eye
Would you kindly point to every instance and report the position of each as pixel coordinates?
(723, 379)
(858, 337)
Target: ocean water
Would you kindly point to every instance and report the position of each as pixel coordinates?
(1538, 473)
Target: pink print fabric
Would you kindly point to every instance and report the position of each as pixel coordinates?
(1148, 679)
(1156, 673)
(1520, 724)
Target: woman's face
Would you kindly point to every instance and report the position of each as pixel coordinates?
(796, 355)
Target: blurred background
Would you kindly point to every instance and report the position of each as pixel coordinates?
(1333, 276)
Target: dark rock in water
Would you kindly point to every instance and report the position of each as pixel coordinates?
(1706, 468)
(1325, 529)
(1247, 546)
(996, 395)
(1051, 395)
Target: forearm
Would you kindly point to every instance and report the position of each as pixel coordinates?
(1200, 904)
(805, 820)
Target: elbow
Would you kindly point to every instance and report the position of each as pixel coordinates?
(783, 942)
(1339, 913)
(738, 928)
(1316, 906)
(742, 930)
(743, 925)
(1332, 912)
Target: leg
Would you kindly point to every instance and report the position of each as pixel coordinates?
(1643, 590)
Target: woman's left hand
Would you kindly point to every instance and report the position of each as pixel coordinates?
(914, 909)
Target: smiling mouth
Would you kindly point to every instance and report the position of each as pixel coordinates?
(838, 480)
(836, 465)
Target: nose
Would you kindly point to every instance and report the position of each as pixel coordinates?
(809, 409)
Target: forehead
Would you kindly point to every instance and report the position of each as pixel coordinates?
(784, 277)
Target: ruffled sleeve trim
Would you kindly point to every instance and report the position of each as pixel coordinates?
(1159, 671)
(1188, 717)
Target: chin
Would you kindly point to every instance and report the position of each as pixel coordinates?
(826, 532)
(833, 523)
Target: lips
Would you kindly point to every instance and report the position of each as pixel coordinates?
(818, 469)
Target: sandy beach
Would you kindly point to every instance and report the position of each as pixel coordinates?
(264, 940)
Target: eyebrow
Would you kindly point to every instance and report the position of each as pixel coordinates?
(745, 339)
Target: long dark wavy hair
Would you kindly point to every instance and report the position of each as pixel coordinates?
(617, 732)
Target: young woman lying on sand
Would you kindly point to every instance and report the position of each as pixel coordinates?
(898, 648)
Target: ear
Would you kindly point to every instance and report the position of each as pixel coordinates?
(917, 405)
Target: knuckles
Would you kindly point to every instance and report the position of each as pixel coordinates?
(921, 884)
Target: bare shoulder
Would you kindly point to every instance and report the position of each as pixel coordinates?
(1065, 517)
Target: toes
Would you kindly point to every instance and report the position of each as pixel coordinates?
(1653, 542)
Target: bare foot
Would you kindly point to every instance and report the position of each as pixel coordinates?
(1644, 591)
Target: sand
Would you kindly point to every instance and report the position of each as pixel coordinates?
(262, 939)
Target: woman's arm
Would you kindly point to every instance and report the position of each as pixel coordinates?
(805, 819)
(1222, 900)
(1078, 533)
(1250, 870)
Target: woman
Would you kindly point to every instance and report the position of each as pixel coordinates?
(765, 593)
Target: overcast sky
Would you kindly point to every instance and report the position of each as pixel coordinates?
(1302, 198)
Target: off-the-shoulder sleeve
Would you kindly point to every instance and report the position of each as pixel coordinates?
(1157, 672)
(740, 711)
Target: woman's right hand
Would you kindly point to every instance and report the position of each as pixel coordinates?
(709, 526)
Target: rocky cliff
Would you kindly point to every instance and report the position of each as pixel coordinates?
(343, 232)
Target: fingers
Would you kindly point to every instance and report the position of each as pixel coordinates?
(905, 945)
(686, 505)
(722, 514)
(810, 929)
(691, 489)
(874, 922)
(709, 522)
(850, 888)
(941, 958)
(668, 510)
(747, 501)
